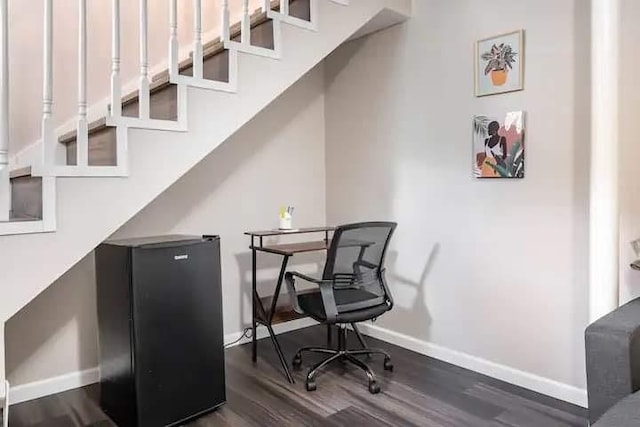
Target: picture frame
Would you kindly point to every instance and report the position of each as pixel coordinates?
(499, 64)
(499, 145)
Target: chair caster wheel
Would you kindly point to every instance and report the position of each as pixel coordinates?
(297, 361)
(374, 388)
(311, 385)
(388, 366)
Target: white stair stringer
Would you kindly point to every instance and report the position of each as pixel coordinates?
(90, 209)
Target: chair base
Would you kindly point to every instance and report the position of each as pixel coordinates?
(343, 355)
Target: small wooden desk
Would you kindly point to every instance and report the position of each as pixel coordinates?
(278, 311)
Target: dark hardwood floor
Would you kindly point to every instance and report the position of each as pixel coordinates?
(420, 392)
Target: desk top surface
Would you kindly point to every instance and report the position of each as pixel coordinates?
(279, 232)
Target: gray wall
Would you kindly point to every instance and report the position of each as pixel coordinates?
(494, 269)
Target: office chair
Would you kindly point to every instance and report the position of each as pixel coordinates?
(352, 289)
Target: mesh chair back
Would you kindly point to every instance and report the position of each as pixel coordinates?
(355, 265)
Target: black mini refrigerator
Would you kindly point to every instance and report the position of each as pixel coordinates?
(160, 329)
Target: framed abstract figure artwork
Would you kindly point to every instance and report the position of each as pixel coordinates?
(499, 64)
(498, 146)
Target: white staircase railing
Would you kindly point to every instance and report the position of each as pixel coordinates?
(245, 29)
(48, 126)
(52, 160)
(5, 186)
(198, 58)
(82, 136)
(225, 21)
(144, 96)
(116, 82)
(284, 7)
(174, 46)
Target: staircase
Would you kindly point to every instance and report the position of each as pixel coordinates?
(71, 190)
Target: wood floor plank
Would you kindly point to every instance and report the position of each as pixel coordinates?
(354, 416)
(420, 392)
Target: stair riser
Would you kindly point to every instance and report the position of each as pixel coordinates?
(163, 106)
(215, 68)
(300, 9)
(26, 198)
(102, 148)
(261, 36)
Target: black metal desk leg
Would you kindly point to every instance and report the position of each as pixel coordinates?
(283, 361)
(254, 338)
(272, 312)
(276, 294)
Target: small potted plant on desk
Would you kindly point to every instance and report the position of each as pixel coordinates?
(500, 60)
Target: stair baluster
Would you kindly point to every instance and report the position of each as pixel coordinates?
(173, 40)
(144, 95)
(116, 84)
(226, 35)
(197, 40)
(245, 35)
(284, 7)
(82, 138)
(5, 186)
(48, 132)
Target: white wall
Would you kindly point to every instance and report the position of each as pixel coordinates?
(278, 158)
(494, 269)
(56, 333)
(629, 148)
(25, 31)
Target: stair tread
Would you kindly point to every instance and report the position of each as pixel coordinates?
(20, 172)
(94, 126)
(21, 220)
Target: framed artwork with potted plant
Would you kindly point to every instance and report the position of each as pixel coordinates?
(499, 64)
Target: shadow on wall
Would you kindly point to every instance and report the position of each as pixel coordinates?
(410, 296)
(55, 333)
(372, 193)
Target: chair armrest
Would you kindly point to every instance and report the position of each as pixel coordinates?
(304, 277)
(367, 264)
(326, 291)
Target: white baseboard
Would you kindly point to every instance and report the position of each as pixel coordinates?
(38, 389)
(555, 389)
(571, 394)
(278, 329)
(47, 387)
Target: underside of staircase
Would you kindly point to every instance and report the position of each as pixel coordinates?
(62, 210)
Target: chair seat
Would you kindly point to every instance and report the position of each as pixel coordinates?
(312, 305)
